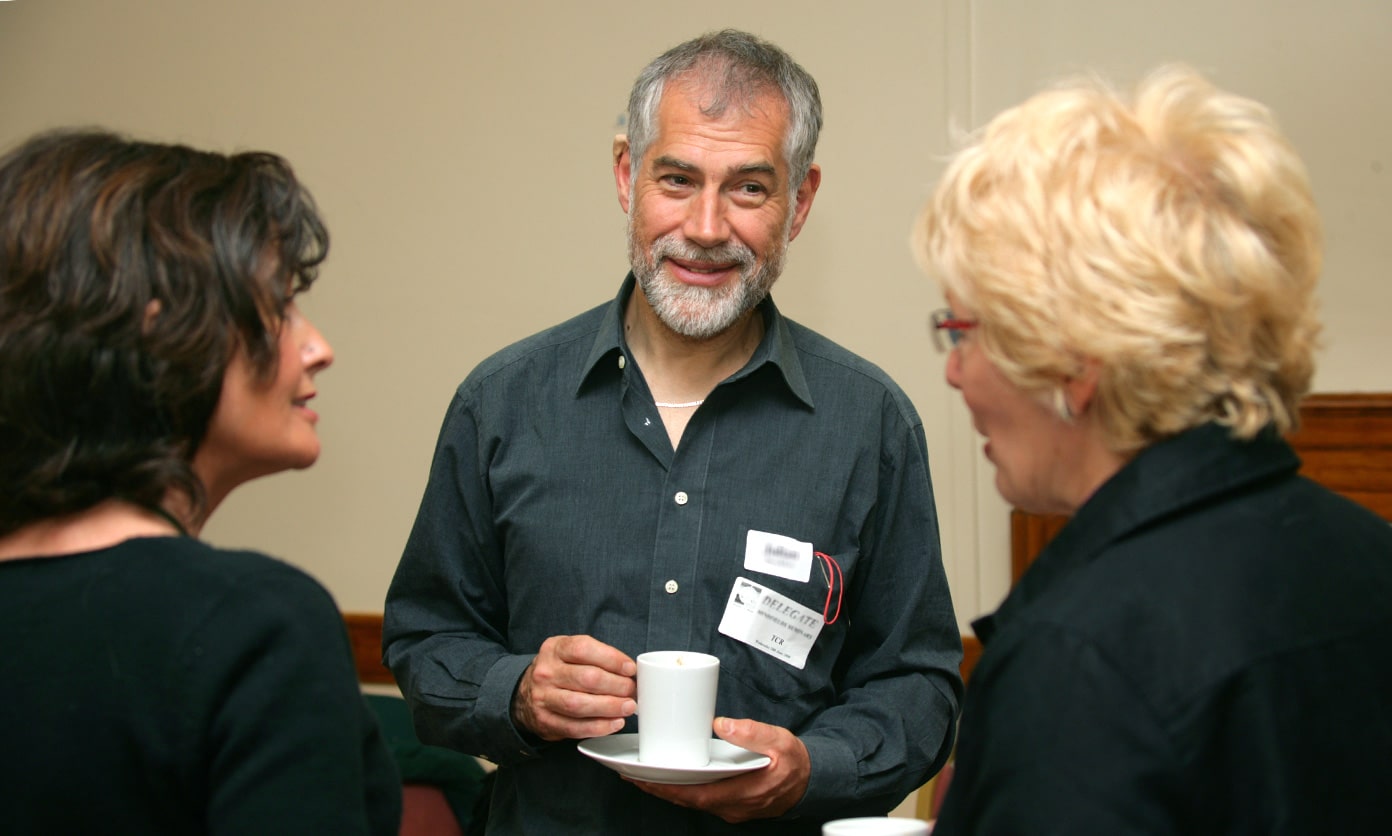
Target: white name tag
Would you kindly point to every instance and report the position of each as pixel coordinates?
(774, 554)
(771, 622)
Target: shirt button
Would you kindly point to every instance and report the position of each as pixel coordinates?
(682, 498)
(622, 361)
(671, 587)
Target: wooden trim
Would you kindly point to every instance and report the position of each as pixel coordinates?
(1345, 444)
(1029, 533)
(365, 636)
(971, 652)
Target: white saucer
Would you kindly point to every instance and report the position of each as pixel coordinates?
(619, 752)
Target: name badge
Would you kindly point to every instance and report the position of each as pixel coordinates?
(771, 622)
(774, 554)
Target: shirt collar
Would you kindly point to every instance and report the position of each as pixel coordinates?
(777, 348)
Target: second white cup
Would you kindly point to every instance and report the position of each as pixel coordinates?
(676, 706)
(877, 826)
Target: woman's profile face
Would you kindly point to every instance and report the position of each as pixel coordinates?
(1024, 438)
(262, 426)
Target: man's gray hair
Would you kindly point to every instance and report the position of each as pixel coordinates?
(735, 68)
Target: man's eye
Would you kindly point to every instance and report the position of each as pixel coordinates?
(753, 188)
(677, 180)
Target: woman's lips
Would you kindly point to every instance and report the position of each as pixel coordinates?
(301, 406)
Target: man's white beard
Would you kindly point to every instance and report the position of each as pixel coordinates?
(700, 313)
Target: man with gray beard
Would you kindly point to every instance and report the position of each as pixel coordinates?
(684, 468)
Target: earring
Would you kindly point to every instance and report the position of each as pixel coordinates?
(1061, 405)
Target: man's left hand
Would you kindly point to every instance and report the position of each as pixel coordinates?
(761, 794)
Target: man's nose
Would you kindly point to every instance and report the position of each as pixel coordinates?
(706, 221)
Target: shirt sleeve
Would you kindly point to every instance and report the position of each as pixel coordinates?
(445, 622)
(894, 721)
(290, 744)
(1056, 741)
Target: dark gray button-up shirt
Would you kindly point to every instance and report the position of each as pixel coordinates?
(557, 506)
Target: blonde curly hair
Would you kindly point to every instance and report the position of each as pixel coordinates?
(1172, 237)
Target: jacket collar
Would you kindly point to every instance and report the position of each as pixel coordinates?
(1166, 478)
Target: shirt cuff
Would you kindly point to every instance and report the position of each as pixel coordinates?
(506, 743)
(832, 781)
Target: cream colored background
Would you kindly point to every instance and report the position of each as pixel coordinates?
(460, 154)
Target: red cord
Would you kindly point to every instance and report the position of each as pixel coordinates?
(831, 570)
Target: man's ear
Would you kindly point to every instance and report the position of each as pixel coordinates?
(623, 179)
(805, 193)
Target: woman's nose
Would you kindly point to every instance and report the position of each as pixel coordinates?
(954, 368)
(315, 351)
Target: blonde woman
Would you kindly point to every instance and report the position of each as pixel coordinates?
(1207, 645)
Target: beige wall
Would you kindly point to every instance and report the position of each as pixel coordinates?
(459, 151)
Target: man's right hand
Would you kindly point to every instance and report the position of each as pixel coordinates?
(576, 687)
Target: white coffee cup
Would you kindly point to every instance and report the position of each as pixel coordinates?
(676, 706)
(877, 826)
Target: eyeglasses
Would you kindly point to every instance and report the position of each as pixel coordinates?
(943, 321)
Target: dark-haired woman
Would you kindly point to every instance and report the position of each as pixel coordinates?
(152, 359)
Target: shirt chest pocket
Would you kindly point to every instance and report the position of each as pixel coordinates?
(756, 660)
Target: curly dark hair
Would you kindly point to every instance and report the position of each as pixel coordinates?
(130, 272)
